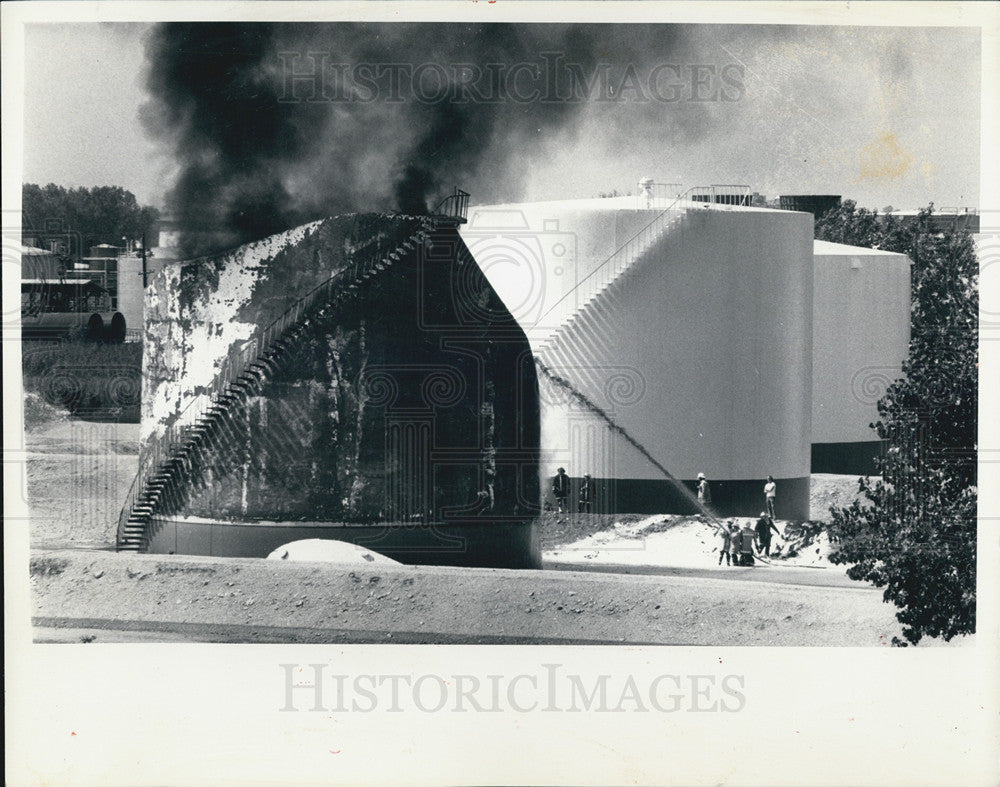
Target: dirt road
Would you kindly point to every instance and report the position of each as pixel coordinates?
(761, 573)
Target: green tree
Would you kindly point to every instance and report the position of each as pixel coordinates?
(914, 533)
(85, 217)
(847, 223)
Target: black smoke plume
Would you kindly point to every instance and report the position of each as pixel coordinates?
(255, 158)
(214, 99)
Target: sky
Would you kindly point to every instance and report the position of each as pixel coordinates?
(886, 116)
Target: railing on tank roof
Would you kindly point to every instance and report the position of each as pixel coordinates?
(454, 206)
(656, 195)
(722, 194)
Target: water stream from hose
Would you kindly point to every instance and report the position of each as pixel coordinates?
(567, 386)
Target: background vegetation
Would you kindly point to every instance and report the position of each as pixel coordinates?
(915, 531)
(91, 380)
(79, 218)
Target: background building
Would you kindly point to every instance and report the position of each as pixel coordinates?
(60, 297)
(816, 204)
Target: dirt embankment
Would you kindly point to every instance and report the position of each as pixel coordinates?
(272, 600)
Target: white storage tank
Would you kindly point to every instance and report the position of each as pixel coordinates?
(861, 335)
(695, 339)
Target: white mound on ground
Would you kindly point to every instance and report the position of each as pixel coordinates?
(322, 550)
(655, 541)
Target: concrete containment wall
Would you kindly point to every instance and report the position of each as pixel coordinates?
(407, 421)
(861, 334)
(701, 351)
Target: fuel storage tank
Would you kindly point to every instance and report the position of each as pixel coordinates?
(670, 343)
(861, 335)
(354, 379)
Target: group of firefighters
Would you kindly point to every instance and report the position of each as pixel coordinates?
(560, 491)
(738, 544)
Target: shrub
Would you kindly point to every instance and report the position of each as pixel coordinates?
(90, 380)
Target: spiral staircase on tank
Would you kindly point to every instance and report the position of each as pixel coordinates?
(575, 356)
(578, 343)
(170, 465)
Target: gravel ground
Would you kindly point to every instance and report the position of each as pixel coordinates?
(78, 473)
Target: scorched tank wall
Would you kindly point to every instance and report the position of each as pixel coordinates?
(401, 407)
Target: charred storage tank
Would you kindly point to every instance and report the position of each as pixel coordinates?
(676, 340)
(353, 379)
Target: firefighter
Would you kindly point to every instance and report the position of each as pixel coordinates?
(560, 489)
(726, 533)
(764, 527)
(704, 491)
(770, 490)
(586, 498)
(747, 537)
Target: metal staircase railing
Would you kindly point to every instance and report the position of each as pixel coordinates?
(619, 261)
(167, 458)
(651, 195)
(558, 356)
(454, 206)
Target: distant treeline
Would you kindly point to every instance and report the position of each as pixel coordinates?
(78, 218)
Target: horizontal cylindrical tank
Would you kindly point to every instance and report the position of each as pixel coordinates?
(94, 327)
(114, 329)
